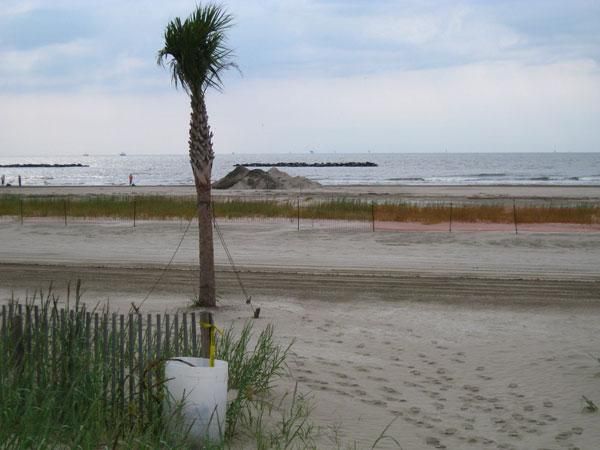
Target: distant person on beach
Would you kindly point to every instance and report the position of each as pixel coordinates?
(19, 180)
(130, 179)
(2, 178)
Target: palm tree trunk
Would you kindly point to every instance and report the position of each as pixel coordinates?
(201, 158)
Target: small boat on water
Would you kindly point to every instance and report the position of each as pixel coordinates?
(86, 154)
(122, 154)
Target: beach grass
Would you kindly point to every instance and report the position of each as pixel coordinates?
(53, 389)
(165, 208)
(55, 376)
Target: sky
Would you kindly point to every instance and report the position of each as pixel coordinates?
(339, 76)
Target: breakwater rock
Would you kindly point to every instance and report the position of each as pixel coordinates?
(43, 165)
(303, 164)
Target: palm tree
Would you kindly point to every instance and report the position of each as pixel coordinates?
(196, 53)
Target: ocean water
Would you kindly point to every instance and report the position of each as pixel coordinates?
(397, 168)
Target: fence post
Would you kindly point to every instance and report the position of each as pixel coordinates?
(141, 367)
(373, 216)
(515, 215)
(131, 372)
(17, 341)
(298, 210)
(134, 212)
(205, 318)
(450, 226)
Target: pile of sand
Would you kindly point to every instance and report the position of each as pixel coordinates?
(243, 178)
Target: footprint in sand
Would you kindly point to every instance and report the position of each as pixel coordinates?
(341, 392)
(563, 436)
(343, 376)
(471, 388)
(374, 402)
(330, 363)
(433, 441)
(378, 379)
(389, 390)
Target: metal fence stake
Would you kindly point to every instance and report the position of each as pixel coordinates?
(515, 215)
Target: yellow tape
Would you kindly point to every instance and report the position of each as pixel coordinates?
(213, 345)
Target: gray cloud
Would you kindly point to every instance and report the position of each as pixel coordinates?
(283, 38)
(335, 75)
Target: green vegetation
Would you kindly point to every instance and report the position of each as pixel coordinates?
(62, 385)
(55, 380)
(165, 208)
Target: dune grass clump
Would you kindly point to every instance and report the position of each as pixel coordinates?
(236, 209)
(578, 214)
(409, 212)
(113, 207)
(337, 209)
(156, 207)
(442, 212)
(251, 373)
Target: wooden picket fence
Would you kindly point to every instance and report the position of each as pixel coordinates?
(126, 351)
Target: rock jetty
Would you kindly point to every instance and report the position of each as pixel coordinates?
(317, 164)
(43, 165)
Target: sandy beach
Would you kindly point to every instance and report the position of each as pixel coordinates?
(463, 340)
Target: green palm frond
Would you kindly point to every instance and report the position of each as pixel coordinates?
(195, 50)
